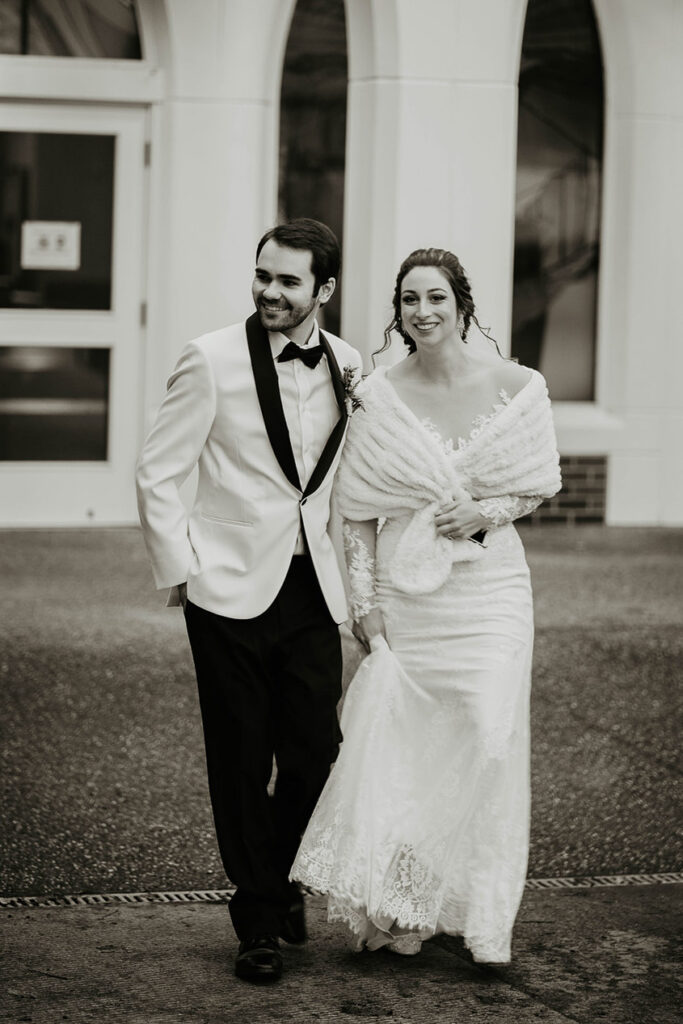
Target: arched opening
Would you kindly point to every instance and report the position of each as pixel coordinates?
(559, 171)
(313, 122)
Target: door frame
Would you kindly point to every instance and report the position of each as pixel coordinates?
(70, 493)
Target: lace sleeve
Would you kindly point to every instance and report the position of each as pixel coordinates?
(506, 508)
(360, 564)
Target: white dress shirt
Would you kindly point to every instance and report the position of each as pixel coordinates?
(309, 405)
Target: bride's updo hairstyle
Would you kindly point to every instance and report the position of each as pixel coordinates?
(452, 269)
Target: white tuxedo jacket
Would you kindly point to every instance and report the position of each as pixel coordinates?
(223, 412)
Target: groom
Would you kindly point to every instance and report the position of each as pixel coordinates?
(260, 408)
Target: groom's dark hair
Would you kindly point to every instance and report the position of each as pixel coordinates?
(317, 238)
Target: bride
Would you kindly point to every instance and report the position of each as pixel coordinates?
(423, 825)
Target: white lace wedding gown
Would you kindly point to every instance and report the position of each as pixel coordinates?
(423, 825)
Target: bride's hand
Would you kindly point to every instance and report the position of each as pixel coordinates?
(460, 518)
(368, 626)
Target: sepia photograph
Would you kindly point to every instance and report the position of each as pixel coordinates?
(341, 511)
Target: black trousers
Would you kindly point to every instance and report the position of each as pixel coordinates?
(268, 686)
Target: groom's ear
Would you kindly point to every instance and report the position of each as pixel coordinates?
(326, 291)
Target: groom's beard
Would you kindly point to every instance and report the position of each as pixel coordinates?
(283, 317)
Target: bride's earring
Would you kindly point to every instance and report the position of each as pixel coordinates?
(460, 326)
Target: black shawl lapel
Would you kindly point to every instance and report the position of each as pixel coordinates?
(268, 392)
(335, 438)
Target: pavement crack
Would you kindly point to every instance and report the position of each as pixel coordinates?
(48, 974)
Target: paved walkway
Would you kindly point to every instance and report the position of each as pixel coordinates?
(103, 789)
(583, 955)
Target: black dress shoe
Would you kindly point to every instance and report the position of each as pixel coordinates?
(293, 928)
(259, 959)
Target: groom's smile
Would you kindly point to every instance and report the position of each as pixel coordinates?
(272, 308)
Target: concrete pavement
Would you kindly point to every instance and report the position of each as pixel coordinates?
(103, 791)
(583, 955)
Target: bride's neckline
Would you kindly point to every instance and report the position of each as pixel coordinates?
(478, 423)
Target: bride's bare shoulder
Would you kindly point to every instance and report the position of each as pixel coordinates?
(401, 370)
(510, 377)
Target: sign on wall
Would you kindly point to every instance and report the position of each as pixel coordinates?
(50, 245)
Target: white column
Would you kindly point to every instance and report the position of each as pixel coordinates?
(431, 150)
(214, 164)
(640, 369)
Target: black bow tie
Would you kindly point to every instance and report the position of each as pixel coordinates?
(310, 356)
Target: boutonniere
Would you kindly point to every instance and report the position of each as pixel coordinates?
(350, 384)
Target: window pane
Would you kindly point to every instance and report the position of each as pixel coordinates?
(313, 123)
(70, 28)
(10, 26)
(53, 403)
(56, 205)
(559, 167)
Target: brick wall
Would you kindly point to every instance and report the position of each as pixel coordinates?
(582, 498)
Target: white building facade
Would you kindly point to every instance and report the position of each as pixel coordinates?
(139, 231)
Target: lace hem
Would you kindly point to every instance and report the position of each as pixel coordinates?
(412, 901)
(361, 569)
(366, 934)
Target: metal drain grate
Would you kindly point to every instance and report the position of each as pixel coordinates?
(109, 899)
(595, 881)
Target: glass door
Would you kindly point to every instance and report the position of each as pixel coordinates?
(71, 242)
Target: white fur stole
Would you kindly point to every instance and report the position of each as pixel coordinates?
(393, 465)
